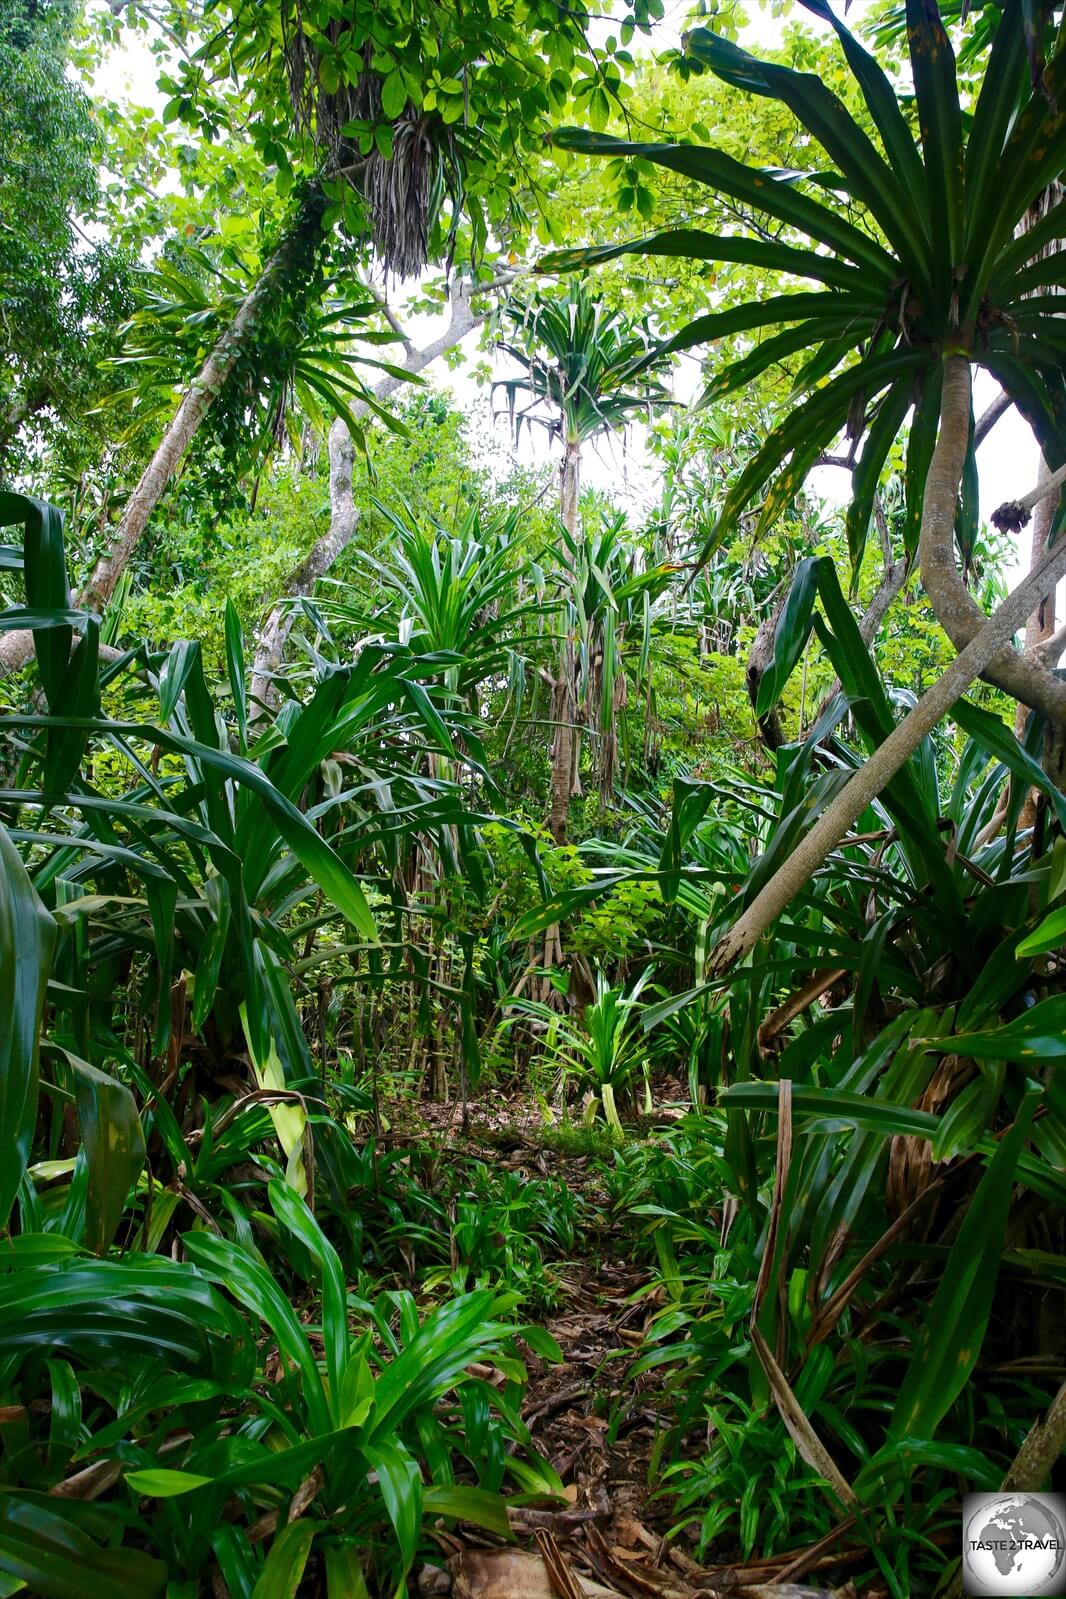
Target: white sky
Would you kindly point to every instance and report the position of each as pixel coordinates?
(1008, 461)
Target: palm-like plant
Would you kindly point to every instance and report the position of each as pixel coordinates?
(448, 593)
(605, 1050)
(309, 357)
(592, 369)
(609, 595)
(926, 277)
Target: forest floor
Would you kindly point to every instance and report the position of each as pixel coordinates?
(597, 1422)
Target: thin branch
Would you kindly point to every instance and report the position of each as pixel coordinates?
(392, 319)
(987, 421)
(1015, 513)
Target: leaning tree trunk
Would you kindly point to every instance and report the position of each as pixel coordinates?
(1024, 678)
(565, 748)
(984, 648)
(1041, 625)
(1039, 629)
(16, 647)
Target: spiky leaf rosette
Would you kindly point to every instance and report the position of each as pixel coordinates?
(929, 260)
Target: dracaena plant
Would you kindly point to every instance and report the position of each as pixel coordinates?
(171, 853)
(309, 358)
(886, 308)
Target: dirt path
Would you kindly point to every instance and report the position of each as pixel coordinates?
(589, 1417)
(596, 1420)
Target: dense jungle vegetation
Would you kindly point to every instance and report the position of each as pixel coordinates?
(530, 1006)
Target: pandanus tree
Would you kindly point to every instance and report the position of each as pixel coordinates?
(923, 275)
(584, 371)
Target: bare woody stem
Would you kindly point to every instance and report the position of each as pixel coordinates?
(17, 647)
(564, 700)
(273, 636)
(1024, 678)
(871, 778)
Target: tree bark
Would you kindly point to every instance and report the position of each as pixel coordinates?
(343, 520)
(564, 699)
(17, 647)
(343, 515)
(1041, 625)
(867, 782)
(1023, 678)
(986, 422)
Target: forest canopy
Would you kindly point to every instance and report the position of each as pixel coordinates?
(532, 797)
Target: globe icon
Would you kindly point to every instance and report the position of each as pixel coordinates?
(1015, 1545)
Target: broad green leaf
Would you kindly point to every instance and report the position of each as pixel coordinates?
(47, 588)
(869, 177)
(27, 940)
(260, 1293)
(328, 871)
(159, 1483)
(401, 1488)
(692, 243)
(344, 1573)
(460, 1503)
(752, 187)
(998, 739)
(235, 668)
(294, 1214)
(952, 1331)
(1048, 935)
(114, 1148)
(1037, 1035)
(940, 121)
(56, 1560)
(791, 634)
(286, 1562)
(183, 659)
(883, 103)
(112, 1313)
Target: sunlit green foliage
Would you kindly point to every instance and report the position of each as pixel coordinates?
(328, 1073)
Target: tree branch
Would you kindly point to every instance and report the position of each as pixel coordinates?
(1016, 512)
(962, 619)
(881, 767)
(344, 517)
(988, 419)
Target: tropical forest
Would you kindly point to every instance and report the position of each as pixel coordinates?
(532, 799)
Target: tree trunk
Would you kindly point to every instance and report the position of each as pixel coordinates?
(1039, 628)
(941, 489)
(1023, 678)
(564, 698)
(343, 520)
(16, 648)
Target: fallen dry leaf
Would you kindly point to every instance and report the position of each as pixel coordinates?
(510, 1574)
